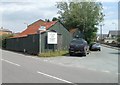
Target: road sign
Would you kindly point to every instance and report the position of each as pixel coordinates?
(42, 28)
(52, 38)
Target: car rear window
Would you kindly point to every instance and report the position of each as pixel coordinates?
(77, 41)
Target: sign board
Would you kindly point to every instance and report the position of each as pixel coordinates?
(42, 28)
(52, 38)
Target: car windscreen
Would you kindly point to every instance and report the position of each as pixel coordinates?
(97, 44)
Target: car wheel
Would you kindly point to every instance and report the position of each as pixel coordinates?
(99, 49)
(71, 54)
(88, 51)
(85, 53)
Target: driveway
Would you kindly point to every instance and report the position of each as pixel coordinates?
(105, 60)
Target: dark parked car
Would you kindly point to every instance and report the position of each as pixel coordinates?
(95, 46)
(79, 45)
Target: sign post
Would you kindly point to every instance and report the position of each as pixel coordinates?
(42, 28)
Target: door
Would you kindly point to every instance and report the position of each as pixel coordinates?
(59, 42)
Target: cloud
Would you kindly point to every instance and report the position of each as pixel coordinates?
(15, 14)
(110, 9)
(24, 6)
(107, 0)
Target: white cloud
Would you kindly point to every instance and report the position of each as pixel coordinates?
(107, 0)
(111, 15)
(24, 6)
(107, 7)
(17, 12)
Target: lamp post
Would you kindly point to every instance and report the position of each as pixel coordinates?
(42, 28)
(26, 24)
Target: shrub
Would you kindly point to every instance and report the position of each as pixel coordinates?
(3, 39)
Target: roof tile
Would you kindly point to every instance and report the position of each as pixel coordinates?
(33, 28)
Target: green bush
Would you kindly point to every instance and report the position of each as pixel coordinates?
(53, 54)
(3, 39)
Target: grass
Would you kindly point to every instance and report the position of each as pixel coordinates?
(53, 54)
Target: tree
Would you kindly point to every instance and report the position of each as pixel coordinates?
(47, 20)
(54, 19)
(82, 15)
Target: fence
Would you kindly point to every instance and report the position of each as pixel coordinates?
(29, 44)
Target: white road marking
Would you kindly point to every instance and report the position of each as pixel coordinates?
(92, 69)
(10, 62)
(32, 57)
(105, 71)
(53, 77)
(46, 60)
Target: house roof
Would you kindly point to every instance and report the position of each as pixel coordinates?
(4, 30)
(114, 32)
(34, 27)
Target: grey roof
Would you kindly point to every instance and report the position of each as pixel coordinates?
(114, 32)
(105, 35)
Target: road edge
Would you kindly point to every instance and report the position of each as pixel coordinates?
(116, 48)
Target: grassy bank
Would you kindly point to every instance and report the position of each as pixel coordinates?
(53, 54)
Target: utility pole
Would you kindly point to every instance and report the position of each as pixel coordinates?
(26, 24)
(101, 34)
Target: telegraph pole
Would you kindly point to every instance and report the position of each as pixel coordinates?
(101, 33)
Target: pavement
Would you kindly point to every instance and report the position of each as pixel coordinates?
(108, 46)
(0, 68)
(97, 67)
(106, 60)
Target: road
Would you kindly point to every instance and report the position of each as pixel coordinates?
(20, 68)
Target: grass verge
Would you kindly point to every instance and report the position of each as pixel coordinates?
(53, 54)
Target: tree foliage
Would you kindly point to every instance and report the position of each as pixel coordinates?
(82, 15)
(54, 19)
(47, 20)
(118, 39)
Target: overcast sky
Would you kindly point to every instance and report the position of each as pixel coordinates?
(15, 15)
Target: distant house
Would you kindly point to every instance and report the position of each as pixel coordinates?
(104, 36)
(33, 41)
(17, 33)
(5, 31)
(112, 36)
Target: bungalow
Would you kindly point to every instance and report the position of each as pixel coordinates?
(114, 33)
(34, 39)
(5, 31)
(112, 36)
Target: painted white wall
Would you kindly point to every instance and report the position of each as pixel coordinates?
(109, 40)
